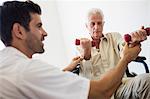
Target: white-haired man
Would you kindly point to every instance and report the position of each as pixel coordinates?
(106, 54)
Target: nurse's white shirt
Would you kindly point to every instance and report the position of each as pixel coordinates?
(24, 78)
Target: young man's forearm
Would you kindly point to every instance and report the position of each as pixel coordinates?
(109, 82)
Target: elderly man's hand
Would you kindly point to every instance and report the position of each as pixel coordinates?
(139, 35)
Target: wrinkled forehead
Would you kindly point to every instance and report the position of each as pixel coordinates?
(95, 18)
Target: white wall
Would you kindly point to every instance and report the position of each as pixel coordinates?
(54, 45)
(64, 21)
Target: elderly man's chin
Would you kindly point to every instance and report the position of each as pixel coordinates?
(96, 37)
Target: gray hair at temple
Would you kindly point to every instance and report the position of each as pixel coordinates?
(94, 11)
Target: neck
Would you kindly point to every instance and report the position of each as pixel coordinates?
(97, 42)
(22, 49)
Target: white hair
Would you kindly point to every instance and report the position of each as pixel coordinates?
(94, 11)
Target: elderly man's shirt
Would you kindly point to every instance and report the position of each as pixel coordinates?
(104, 58)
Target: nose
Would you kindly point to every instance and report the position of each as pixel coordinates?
(96, 26)
(44, 33)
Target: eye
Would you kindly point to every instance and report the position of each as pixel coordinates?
(92, 23)
(100, 23)
(39, 25)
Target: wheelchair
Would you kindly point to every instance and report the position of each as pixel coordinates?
(139, 59)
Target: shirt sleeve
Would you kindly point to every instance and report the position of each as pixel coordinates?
(118, 39)
(86, 68)
(43, 81)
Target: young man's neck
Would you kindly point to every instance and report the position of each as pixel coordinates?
(24, 51)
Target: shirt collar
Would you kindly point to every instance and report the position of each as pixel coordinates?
(13, 50)
(104, 37)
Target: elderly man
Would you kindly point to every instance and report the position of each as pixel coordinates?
(106, 54)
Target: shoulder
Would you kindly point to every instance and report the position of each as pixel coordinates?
(113, 34)
(37, 71)
(40, 72)
(33, 68)
(38, 65)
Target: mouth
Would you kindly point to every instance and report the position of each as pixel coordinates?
(97, 31)
(42, 44)
(42, 39)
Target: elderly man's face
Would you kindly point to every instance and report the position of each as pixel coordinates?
(95, 26)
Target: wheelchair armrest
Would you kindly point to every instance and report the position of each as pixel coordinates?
(139, 59)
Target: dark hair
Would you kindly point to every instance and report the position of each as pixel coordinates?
(15, 12)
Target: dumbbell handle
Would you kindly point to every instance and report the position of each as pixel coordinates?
(77, 42)
(127, 37)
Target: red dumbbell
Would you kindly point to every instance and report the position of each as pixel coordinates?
(77, 42)
(127, 37)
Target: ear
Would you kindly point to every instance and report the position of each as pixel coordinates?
(86, 25)
(18, 31)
